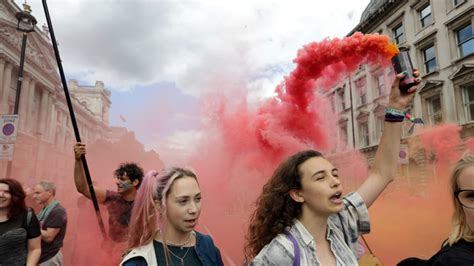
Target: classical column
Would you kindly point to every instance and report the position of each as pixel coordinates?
(2, 70)
(43, 111)
(31, 124)
(7, 78)
(58, 131)
(25, 90)
(53, 119)
(62, 131)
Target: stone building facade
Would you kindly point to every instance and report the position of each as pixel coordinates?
(45, 136)
(439, 38)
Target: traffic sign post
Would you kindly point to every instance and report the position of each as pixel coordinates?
(8, 133)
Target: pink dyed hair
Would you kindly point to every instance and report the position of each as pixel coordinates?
(146, 218)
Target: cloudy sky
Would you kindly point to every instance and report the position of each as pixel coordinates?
(161, 57)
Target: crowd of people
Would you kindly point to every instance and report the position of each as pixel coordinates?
(301, 216)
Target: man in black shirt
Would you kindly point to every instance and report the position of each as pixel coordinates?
(128, 177)
(53, 221)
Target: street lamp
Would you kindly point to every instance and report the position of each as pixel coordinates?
(26, 24)
(26, 21)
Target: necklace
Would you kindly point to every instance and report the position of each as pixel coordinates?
(178, 257)
(180, 245)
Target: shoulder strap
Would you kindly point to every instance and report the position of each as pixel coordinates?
(44, 213)
(296, 248)
(27, 218)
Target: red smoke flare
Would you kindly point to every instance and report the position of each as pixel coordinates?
(244, 143)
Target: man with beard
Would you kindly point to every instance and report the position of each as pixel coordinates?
(128, 177)
(53, 222)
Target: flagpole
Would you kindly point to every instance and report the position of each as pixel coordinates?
(73, 120)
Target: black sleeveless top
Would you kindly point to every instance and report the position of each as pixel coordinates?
(14, 235)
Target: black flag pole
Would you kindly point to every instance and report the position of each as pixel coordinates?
(73, 119)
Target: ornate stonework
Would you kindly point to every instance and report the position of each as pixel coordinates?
(32, 51)
(5, 14)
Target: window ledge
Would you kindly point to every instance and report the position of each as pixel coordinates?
(457, 61)
(468, 124)
(432, 73)
(368, 148)
(380, 99)
(458, 5)
(421, 29)
(404, 46)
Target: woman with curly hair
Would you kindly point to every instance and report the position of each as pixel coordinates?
(301, 215)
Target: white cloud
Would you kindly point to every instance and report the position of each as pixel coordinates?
(177, 147)
(201, 45)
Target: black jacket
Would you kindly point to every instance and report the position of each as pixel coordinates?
(459, 254)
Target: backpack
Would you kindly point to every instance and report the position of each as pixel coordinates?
(27, 218)
(296, 248)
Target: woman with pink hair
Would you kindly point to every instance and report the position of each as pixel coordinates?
(165, 213)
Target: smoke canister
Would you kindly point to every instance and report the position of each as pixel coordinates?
(402, 62)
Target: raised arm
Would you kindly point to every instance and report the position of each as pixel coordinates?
(386, 158)
(80, 177)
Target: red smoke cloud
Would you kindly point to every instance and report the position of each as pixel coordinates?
(245, 143)
(444, 142)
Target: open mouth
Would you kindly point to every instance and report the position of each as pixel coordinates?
(336, 198)
(191, 221)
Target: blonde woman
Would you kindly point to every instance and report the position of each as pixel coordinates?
(459, 248)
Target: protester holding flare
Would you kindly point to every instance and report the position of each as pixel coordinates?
(302, 216)
(166, 211)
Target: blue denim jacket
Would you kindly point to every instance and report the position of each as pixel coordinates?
(207, 252)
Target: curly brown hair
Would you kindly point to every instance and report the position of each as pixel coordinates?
(275, 208)
(132, 170)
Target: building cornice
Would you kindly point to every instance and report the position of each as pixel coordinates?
(385, 9)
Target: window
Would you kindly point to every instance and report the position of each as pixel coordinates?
(363, 134)
(342, 102)
(362, 90)
(425, 16)
(379, 120)
(406, 124)
(457, 2)
(343, 133)
(399, 33)
(333, 106)
(429, 56)
(380, 84)
(363, 97)
(465, 40)
(468, 99)
(434, 110)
